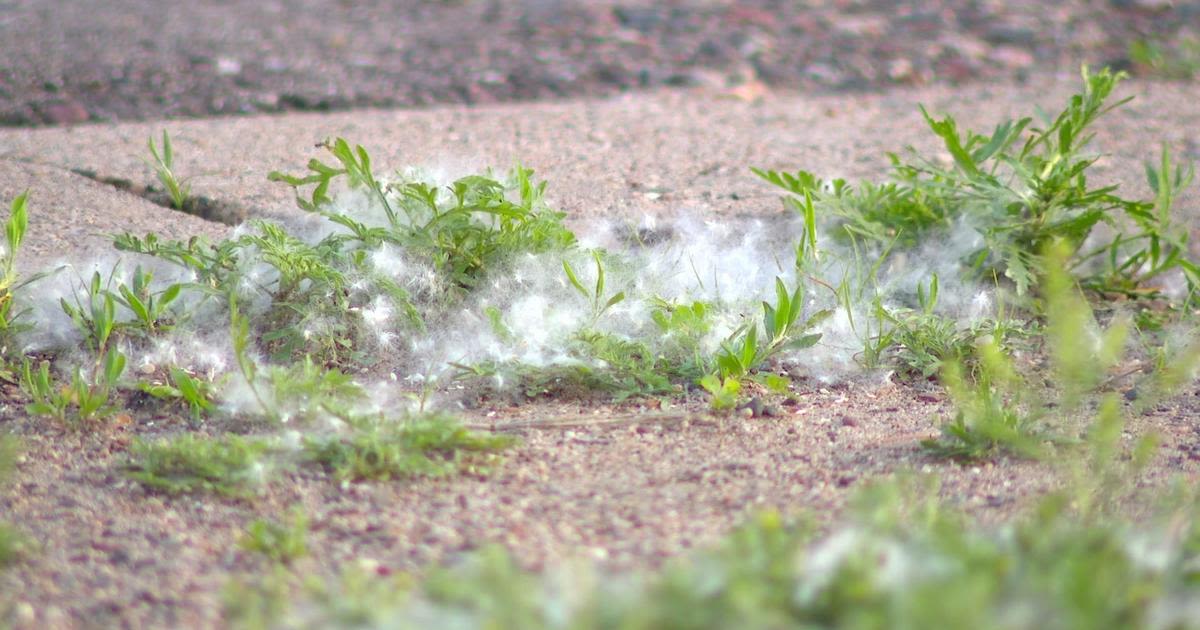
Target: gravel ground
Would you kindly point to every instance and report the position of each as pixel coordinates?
(67, 62)
(624, 494)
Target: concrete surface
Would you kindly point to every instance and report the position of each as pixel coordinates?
(71, 216)
(682, 151)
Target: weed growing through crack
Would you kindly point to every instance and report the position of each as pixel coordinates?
(163, 162)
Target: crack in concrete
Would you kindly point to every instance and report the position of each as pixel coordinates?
(200, 206)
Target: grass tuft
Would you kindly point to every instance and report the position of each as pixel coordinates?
(228, 465)
(424, 446)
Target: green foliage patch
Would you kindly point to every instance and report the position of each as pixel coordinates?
(1022, 187)
(424, 446)
(229, 465)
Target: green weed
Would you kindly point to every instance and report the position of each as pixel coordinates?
(784, 330)
(318, 292)
(627, 368)
(163, 164)
(1002, 411)
(193, 393)
(683, 329)
(423, 446)
(465, 231)
(280, 542)
(298, 391)
(1021, 187)
(723, 391)
(994, 415)
(305, 390)
(1177, 58)
(595, 296)
(96, 319)
(229, 465)
(79, 402)
(151, 309)
(215, 266)
(922, 342)
(10, 280)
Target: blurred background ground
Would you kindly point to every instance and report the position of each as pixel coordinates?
(69, 61)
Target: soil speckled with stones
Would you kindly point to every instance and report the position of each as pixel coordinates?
(626, 494)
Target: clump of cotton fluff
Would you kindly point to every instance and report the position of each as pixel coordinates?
(530, 314)
(714, 260)
(856, 323)
(42, 300)
(539, 312)
(417, 278)
(837, 355)
(943, 256)
(203, 352)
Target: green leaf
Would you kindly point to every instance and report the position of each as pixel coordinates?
(614, 300)
(947, 130)
(169, 295)
(574, 279)
(134, 303)
(14, 228)
(803, 341)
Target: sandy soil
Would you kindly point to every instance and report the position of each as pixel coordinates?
(625, 486)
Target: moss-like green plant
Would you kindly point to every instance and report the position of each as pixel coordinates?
(229, 465)
(424, 446)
